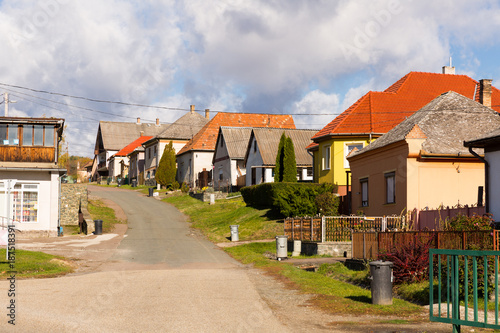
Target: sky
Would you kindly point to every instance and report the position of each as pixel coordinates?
(311, 59)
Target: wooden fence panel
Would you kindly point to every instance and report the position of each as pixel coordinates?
(430, 219)
(496, 240)
(386, 241)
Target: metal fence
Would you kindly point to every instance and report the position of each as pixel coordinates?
(462, 276)
(368, 245)
(337, 228)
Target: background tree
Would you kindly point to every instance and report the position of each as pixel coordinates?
(167, 169)
(278, 170)
(289, 162)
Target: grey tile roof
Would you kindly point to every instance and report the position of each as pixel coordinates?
(236, 140)
(185, 127)
(490, 139)
(268, 140)
(447, 121)
(116, 135)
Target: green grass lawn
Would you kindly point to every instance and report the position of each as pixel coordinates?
(29, 264)
(100, 211)
(333, 295)
(215, 220)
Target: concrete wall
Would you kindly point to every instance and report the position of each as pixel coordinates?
(335, 249)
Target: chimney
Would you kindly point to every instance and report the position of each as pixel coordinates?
(448, 70)
(207, 113)
(192, 108)
(142, 133)
(138, 120)
(485, 92)
(157, 121)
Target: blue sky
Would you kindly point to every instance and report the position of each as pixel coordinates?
(298, 57)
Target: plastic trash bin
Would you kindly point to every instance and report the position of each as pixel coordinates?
(98, 227)
(234, 233)
(381, 284)
(281, 247)
(151, 190)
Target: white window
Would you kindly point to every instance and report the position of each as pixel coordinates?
(348, 148)
(390, 187)
(364, 191)
(326, 157)
(23, 202)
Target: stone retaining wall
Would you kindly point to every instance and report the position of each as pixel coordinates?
(71, 196)
(205, 196)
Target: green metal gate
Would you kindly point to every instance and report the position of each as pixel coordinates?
(462, 278)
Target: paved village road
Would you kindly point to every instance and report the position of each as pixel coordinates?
(160, 279)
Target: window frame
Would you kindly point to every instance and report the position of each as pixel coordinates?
(326, 157)
(363, 191)
(390, 175)
(19, 201)
(347, 151)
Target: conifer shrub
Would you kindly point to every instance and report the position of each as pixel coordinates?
(288, 199)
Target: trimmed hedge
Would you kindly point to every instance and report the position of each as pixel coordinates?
(288, 199)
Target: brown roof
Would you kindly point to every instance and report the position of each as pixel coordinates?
(268, 141)
(185, 127)
(378, 112)
(206, 138)
(116, 135)
(236, 140)
(445, 123)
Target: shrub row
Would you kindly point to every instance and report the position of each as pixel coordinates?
(293, 199)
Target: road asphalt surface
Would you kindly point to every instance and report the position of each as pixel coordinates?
(161, 278)
(158, 275)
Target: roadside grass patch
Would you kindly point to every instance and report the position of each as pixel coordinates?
(99, 211)
(332, 295)
(30, 264)
(215, 220)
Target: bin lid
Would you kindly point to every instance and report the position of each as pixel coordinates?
(381, 263)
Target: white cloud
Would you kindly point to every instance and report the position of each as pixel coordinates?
(240, 55)
(314, 103)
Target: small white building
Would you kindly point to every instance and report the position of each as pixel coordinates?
(487, 150)
(262, 148)
(29, 175)
(228, 159)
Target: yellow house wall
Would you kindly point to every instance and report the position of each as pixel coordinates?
(337, 172)
(432, 184)
(375, 166)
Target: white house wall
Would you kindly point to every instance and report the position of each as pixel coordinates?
(253, 159)
(493, 159)
(202, 160)
(48, 198)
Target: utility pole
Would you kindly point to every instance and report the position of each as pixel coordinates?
(6, 102)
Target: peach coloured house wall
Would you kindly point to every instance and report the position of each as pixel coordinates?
(419, 182)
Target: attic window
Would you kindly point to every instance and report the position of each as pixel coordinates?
(221, 143)
(255, 146)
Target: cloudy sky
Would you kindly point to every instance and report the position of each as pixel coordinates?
(305, 57)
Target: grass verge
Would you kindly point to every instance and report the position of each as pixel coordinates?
(332, 295)
(100, 211)
(215, 220)
(29, 264)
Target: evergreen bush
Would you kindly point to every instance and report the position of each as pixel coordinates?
(167, 169)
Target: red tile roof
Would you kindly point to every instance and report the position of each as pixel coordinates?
(378, 112)
(131, 146)
(206, 138)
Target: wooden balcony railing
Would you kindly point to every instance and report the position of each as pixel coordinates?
(27, 154)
